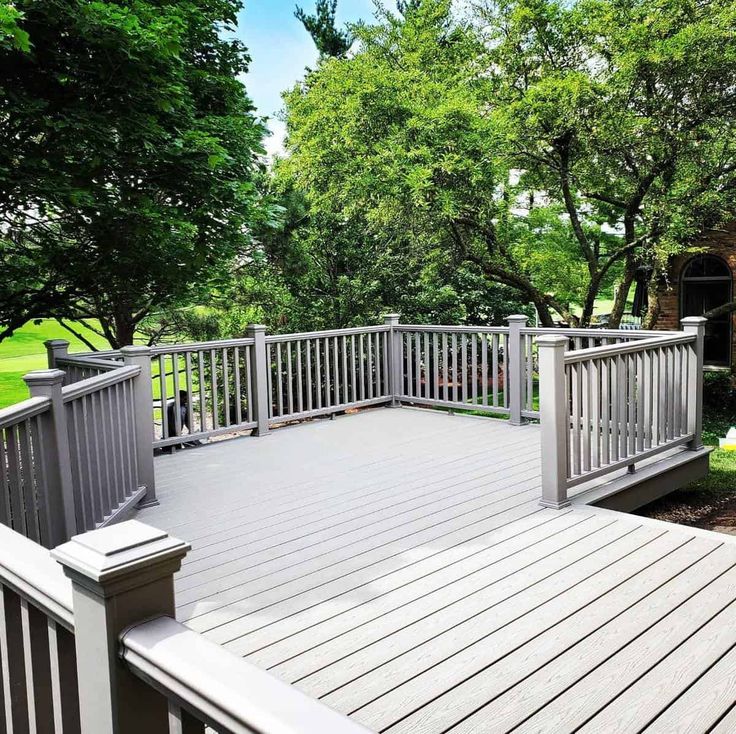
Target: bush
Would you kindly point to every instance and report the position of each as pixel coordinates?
(718, 391)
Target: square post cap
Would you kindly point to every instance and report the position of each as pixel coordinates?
(56, 343)
(120, 557)
(44, 378)
(391, 318)
(552, 340)
(135, 350)
(517, 318)
(693, 320)
(256, 327)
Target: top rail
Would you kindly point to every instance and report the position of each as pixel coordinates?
(76, 360)
(453, 329)
(354, 331)
(610, 350)
(22, 411)
(221, 689)
(28, 569)
(595, 333)
(99, 382)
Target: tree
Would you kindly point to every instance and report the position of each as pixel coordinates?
(622, 112)
(128, 152)
(329, 40)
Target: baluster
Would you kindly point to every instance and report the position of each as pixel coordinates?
(236, 378)
(215, 390)
(279, 382)
(353, 373)
(418, 364)
(345, 383)
(639, 401)
(37, 666)
(631, 373)
(175, 392)
(202, 384)
(595, 425)
(318, 367)
(181, 722)
(445, 369)
(300, 380)
(409, 364)
(225, 385)
(386, 368)
(484, 368)
(623, 407)
(585, 370)
(576, 416)
(605, 370)
(435, 368)
(12, 663)
(5, 511)
(248, 355)
(464, 368)
(289, 379)
(506, 370)
(328, 377)
(377, 362)
(108, 451)
(163, 395)
(26, 474)
(495, 339)
(64, 685)
(454, 367)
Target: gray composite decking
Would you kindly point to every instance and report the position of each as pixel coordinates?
(397, 565)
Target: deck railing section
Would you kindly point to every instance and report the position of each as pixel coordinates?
(37, 652)
(454, 367)
(605, 408)
(205, 388)
(326, 372)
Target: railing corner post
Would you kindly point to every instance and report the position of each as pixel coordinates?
(515, 378)
(394, 340)
(121, 575)
(695, 325)
(56, 349)
(259, 388)
(143, 401)
(554, 416)
(56, 459)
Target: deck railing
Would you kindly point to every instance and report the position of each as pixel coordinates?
(605, 408)
(91, 646)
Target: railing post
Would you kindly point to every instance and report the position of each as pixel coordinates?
(394, 357)
(120, 576)
(143, 402)
(55, 458)
(695, 325)
(56, 348)
(515, 362)
(554, 415)
(259, 378)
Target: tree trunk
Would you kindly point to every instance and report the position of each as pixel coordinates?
(619, 304)
(654, 306)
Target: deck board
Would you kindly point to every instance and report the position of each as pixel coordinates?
(397, 564)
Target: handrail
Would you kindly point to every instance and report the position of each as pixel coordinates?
(76, 360)
(99, 382)
(197, 346)
(452, 329)
(23, 411)
(28, 569)
(220, 688)
(610, 350)
(594, 333)
(353, 331)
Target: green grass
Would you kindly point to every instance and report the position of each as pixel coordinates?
(24, 351)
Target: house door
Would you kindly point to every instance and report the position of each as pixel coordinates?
(706, 284)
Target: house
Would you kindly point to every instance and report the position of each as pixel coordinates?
(698, 283)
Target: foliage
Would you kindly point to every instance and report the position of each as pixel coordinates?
(12, 36)
(128, 151)
(329, 40)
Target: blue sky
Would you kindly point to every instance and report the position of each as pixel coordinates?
(280, 49)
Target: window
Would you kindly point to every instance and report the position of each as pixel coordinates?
(707, 283)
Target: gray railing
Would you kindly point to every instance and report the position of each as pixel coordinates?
(605, 408)
(91, 646)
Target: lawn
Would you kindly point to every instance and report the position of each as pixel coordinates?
(24, 351)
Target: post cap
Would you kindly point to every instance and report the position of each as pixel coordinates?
(256, 327)
(552, 340)
(56, 343)
(693, 320)
(517, 317)
(135, 350)
(120, 557)
(42, 378)
(390, 317)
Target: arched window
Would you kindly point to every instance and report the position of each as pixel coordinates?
(707, 282)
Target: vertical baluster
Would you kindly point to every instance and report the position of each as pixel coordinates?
(435, 389)
(445, 369)
(163, 395)
(11, 663)
(215, 391)
(639, 446)
(289, 379)
(418, 364)
(353, 372)
(90, 436)
(585, 371)
(123, 484)
(631, 373)
(410, 364)
(676, 391)
(299, 405)
(386, 372)
(328, 377)
(623, 407)
(318, 369)
(605, 411)
(309, 383)
(369, 366)
(464, 368)
(26, 481)
(225, 386)
(646, 387)
(279, 382)
(202, 391)
(529, 372)
(236, 389)
(108, 451)
(505, 370)
(37, 667)
(377, 360)
(248, 355)
(189, 386)
(82, 499)
(657, 403)
(495, 339)
(5, 512)
(595, 425)
(63, 673)
(576, 417)
(454, 367)
(175, 393)
(345, 379)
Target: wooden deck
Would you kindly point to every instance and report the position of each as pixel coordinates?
(397, 565)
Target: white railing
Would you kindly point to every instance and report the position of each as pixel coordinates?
(91, 646)
(605, 408)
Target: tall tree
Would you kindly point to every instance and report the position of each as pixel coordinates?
(128, 151)
(327, 37)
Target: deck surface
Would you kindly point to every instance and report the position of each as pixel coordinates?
(397, 565)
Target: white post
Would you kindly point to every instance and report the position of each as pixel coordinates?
(56, 348)
(555, 419)
(143, 403)
(394, 357)
(121, 575)
(515, 378)
(55, 458)
(695, 325)
(259, 379)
